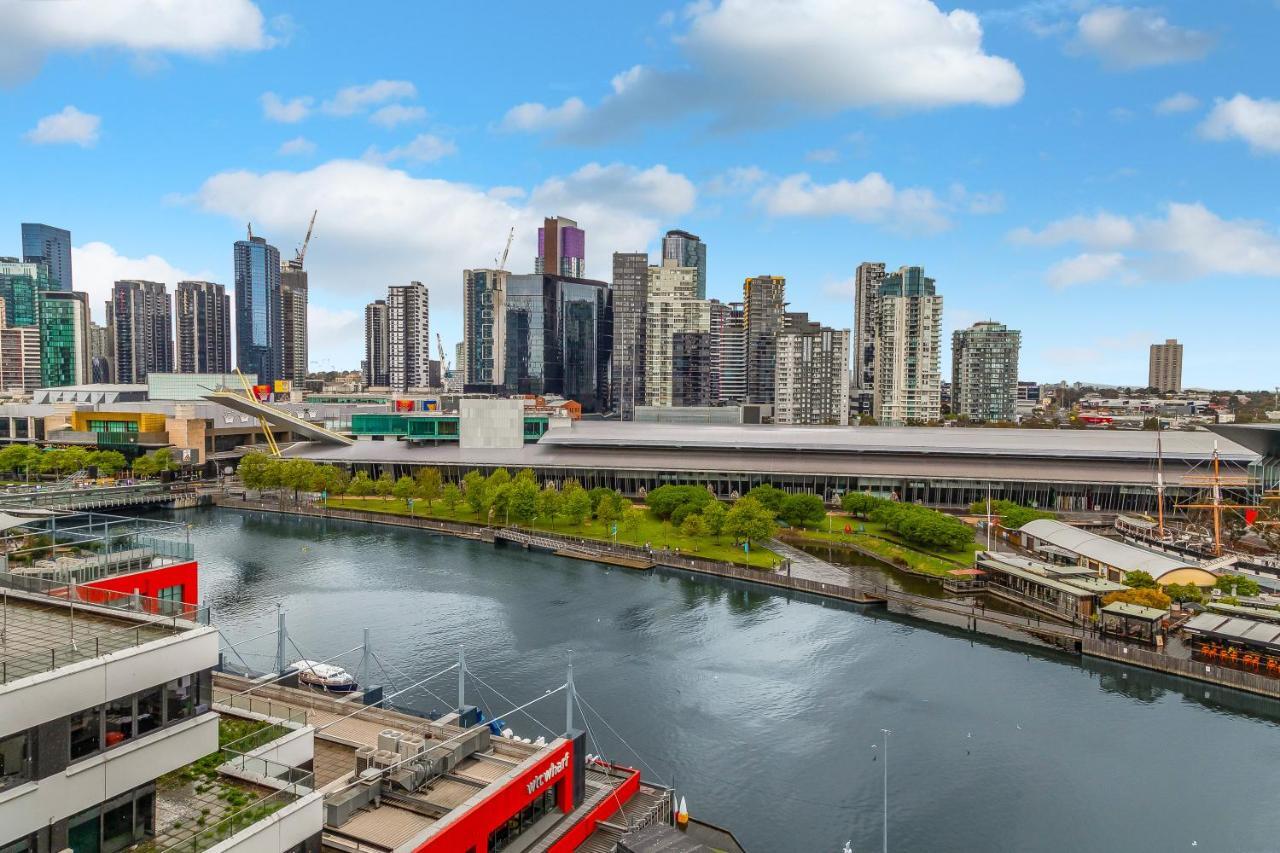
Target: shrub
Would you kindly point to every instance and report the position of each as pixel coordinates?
(1011, 515)
(923, 526)
(664, 501)
(860, 503)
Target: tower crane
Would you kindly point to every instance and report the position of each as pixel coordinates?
(302, 252)
(502, 262)
(444, 362)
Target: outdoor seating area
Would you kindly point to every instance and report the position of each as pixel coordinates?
(1133, 622)
(1239, 643)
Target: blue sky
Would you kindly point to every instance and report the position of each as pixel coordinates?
(1099, 176)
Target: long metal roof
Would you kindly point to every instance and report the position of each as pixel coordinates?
(1121, 555)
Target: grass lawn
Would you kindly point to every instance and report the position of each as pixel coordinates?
(939, 563)
(651, 530)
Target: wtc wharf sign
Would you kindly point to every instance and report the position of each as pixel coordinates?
(554, 769)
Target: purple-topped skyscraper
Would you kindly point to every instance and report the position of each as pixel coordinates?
(562, 248)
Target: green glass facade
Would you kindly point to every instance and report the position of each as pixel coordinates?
(19, 284)
(428, 428)
(61, 318)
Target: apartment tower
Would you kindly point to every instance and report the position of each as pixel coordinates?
(203, 322)
(908, 343)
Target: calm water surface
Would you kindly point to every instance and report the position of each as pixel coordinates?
(764, 709)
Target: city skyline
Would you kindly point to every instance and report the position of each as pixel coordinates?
(1044, 186)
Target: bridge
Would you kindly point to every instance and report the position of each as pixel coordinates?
(81, 499)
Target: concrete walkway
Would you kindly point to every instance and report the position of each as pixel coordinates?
(809, 567)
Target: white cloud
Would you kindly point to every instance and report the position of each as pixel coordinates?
(1256, 121)
(736, 180)
(822, 155)
(748, 58)
(297, 145)
(393, 115)
(1180, 102)
(355, 99)
(70, 126)
(424, 148)
(979, 204)
(204, 29)
(1135, 37)
(871, 198)
(1104, 230)
(1087, 268)
(98, 266)
(292, 111)
(533, 117)
(376, 235)
(325, 326)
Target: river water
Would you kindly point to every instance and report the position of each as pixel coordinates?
(765, 709)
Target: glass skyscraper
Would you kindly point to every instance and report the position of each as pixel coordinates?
(259, 323)
(64, 338)
(44, 244)
(19, 283)
(687, 250)
(559, 333)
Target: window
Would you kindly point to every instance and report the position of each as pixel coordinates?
(150, 710)
(15, 759)
(180, 698)
(22, 845)
(85, 735)
(119, 721)
(117, 824)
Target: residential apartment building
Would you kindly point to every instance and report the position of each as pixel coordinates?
(1164, 369)
(687, 250)
(672, 308)
(408, 337)
(907, 354)
(764, 304)
(101, 353)
(813, 374)
(376, 332)
(984, 372)
(729, 351)
(50, 246)
(630, 304)
(142, 320)
(259, 320)
(692, 379)
(866, 292)
(203, 323)
(19, 355)
(293, 322)
(483, 328)
(562, 248)
(63, 321)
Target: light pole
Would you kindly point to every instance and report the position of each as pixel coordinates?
(885, 844)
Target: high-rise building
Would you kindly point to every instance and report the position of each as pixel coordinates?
(630, 295)
(984, 372)
(142, 318)
(1164, 369)
(20, 281)
(483, 328)
(203, 321)
(866, 290)
(63, 320)
(408, 337)
(19, 356)
(44, 244)
(101, 353)
(729, 353)
(673, 308)
(562, 248)
(460, 360)
(293, 322)
(687, 250)
(908, 343)
(764, 304)
(259, 320)
(376, 371)
(692, 380)
(813, 374)
(559, 338)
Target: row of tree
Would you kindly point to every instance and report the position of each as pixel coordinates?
(26, 461)
(916, 524)
(1144, 590)
(1012, 515)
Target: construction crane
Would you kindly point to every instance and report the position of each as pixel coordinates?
(251, 232)
(444, 362)
(302, 252)
(502, 262)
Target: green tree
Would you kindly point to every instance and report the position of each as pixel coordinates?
(577, 504)
(596, 495)
(549, 503)
(610, 507)
(769, 497)
(1011, 516)
(667, 501)
(798, 510)
(297, 474)
(451, 497)
(750, 520)
(860, 503)
(713, 516)
(404, 489)
(253, 470)
(329, 479)
(384, 486)
(498, 479)
(630, 522)
(694, 527)
(108, 462)
(20, 459)
(527, 474)
(500, 503)
(1245, 587)
(1184, 592)
(361, 486)
(430, 484)
(1139, 579)
(1142, 597)
(523, 500)
(475, 489)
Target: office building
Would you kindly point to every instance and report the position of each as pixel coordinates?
(687, 250)
(44, 244)
(1164, 369)
(984, 372)
(101, 354)
(19, 283)
(630, 295)
(908, 343)
(866, 290)
(672, 309)
(559, 338)
(19, 355)
(63, 321)
(692, 357)
(483, 328)
(408, 337)
(375, 345)
(293, 322)
(204, 327)
(729, 351)
(764, 304)
(142, 319)
(813, 374)
(259, 321)
(562, 248)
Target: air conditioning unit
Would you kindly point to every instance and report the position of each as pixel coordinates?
(388, 739)
(384, 758)
(410, 746)
(364, 757)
